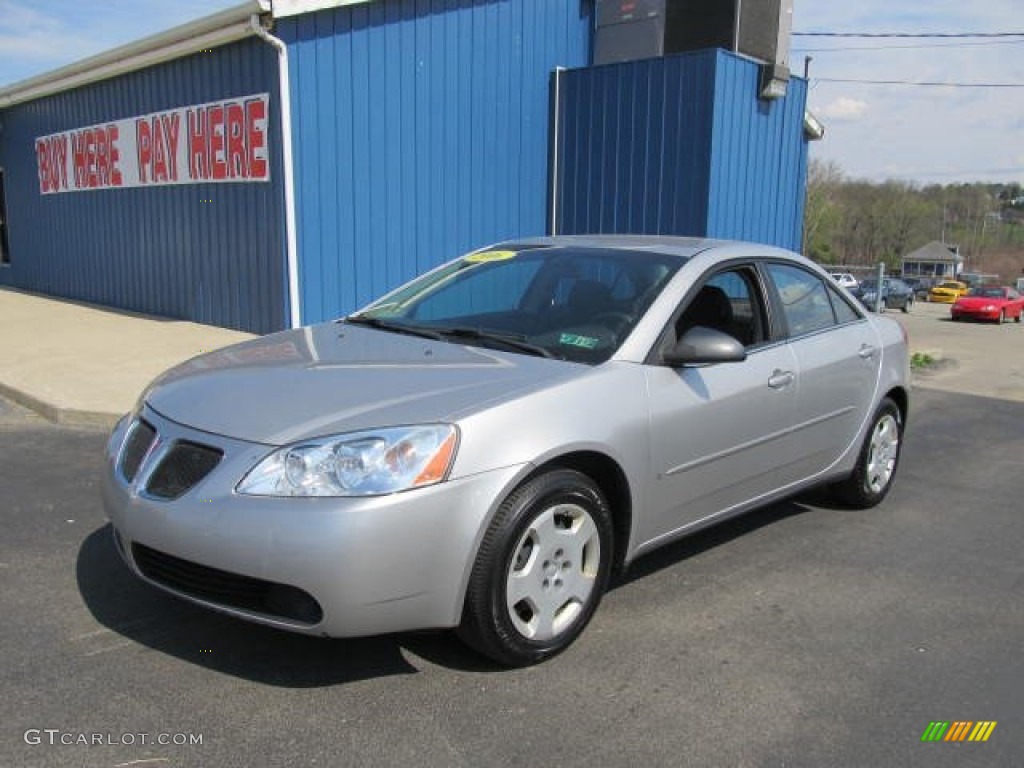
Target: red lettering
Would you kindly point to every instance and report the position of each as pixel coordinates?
(43, 166)
(171, 123)
(217, 158)
(114, 157)
(102, 162)
(235, 130)
(198, 145)
(62, 162)
(90, 152)
(159, 153)
(143, 147)
(52, 163)
(79, 159)
(256, 134)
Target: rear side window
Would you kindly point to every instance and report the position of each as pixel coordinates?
(805, 299)
(841, 307)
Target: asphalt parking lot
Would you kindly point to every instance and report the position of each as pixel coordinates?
(799, 635)
(977, 358)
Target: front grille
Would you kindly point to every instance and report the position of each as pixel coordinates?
(184, 465)
(139, 440)
(228, 589)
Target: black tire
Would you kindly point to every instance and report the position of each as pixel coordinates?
(518, 635)
(869, 483)
(1020, 316)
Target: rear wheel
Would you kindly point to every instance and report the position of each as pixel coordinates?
(876, 465)
(541, 570)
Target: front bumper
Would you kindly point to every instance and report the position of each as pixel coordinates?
(974, 314)
(339, 567)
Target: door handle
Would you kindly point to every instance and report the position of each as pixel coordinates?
(866, 352)
(780, 379)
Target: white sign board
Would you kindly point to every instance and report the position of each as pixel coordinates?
(222, 141)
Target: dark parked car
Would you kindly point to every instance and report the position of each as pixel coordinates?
(896, 294)
(920, 286)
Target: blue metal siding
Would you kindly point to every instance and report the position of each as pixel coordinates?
(211, 253)
(421, 130)
(681, 145)
(634, 146)
(759, 163)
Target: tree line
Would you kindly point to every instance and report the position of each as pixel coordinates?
(861, 223)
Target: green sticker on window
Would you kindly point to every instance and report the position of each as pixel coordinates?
(574, 340)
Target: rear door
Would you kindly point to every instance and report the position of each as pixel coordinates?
(837, 356)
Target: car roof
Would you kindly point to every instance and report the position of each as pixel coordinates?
(683, 247)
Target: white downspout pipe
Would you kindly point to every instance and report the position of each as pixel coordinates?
(291, 235)
(555, 169)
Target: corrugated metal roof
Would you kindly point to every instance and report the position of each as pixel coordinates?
(217, 29)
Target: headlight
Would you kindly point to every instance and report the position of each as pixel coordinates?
(989, 308)
(358, 464)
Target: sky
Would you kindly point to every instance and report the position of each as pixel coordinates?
(924, 135)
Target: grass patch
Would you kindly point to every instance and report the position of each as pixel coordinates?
(921, 360)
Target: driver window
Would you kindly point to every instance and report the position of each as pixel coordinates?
(726, 302)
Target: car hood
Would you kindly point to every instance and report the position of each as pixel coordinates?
(334, 378)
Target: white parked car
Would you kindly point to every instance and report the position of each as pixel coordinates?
(845, 279)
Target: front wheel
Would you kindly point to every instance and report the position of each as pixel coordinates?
(876, 465)
(541, 570)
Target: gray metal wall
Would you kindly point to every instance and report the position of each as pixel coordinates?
(210, 252)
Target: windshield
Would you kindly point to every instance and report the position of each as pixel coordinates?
(570, 303)
(987, 292)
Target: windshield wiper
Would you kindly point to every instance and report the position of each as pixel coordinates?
(509, 340)
(390, 325)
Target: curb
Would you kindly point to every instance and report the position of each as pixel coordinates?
(70, 417)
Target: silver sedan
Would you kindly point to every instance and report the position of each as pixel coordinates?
(484, 446)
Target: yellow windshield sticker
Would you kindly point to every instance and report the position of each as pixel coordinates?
(482, 256)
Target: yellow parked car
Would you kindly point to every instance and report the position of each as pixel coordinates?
(947, 292)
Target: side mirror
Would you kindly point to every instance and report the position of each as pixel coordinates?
(701, 345)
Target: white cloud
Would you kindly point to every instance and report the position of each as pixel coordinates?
(844, 108)
(918, 133)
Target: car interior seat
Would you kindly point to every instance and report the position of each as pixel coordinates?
(710, 308)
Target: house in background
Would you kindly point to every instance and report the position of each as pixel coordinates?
(935, 259)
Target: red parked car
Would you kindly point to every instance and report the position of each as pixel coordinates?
(989, 302)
